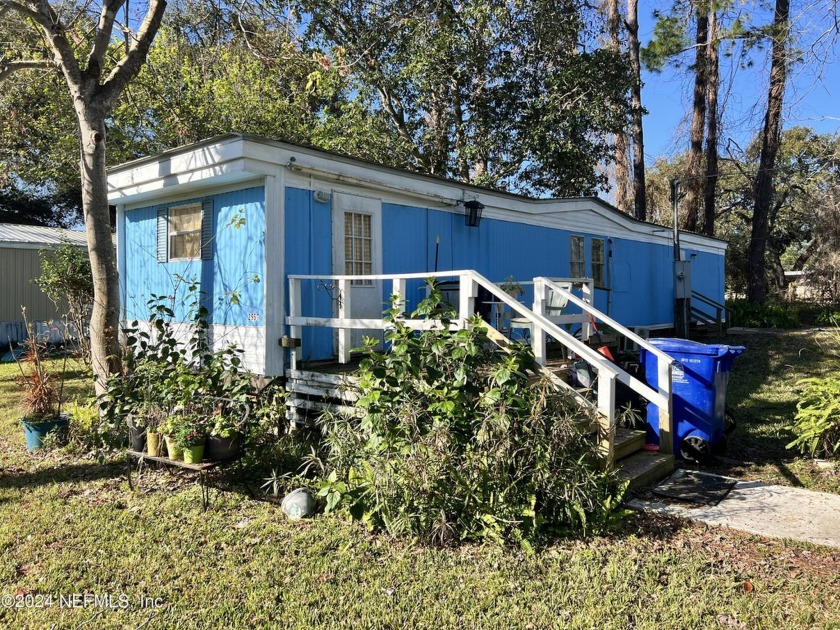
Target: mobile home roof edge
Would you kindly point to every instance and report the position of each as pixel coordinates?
(342, 157)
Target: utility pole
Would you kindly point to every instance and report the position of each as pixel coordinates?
(682, 273)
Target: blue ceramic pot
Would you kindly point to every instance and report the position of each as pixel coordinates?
(35, 432)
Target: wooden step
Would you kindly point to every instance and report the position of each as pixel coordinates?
(627, 442)
(324, 391)
(644, 468)
(324, 378)
(319, 406)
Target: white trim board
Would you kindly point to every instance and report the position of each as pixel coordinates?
(209, 189)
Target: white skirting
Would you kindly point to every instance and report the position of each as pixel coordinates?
(251, 339)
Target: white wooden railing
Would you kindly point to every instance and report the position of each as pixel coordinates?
(607, 372)
(662, 398)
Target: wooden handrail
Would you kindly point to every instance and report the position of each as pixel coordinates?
(609, 321)
(469, 281)
(663, 399)
(608, 373)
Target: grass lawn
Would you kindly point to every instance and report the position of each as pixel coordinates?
(72, 526)
(762, 394)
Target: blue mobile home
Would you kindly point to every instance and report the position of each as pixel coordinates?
(238, 214)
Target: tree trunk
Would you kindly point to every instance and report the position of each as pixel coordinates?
(636, 129)
(105, 317)
(460, 140)
(621, 153)
(710, 184)
(698, 125)
(770, 139)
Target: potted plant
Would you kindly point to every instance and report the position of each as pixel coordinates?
(223, 439)
(144, 391)
(136, 431)
(41, 400)
(190, 437)
(169, 429)
(155, 417)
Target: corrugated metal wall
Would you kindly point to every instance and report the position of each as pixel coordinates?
(18, 267)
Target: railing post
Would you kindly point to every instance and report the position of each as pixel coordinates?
(345, 338)
(468, 288)
(606, 417)
(666, 416)
(587, 290)
(295, 310)
(538, 338)
(399, 291)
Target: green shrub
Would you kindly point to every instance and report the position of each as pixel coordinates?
(817, 421)
(89, 432)
(826, 315)
(453, 443)
(770, 315)
(66, 279)
(166, 374)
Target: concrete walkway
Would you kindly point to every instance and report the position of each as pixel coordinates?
(760, 508)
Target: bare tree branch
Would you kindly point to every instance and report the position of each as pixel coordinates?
(103, 36)
(55, 36)
(9, 67)
(130, 64)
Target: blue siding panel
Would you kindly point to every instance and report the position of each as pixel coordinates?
(230, 282)
(640, 275)
(642, 283)
(309, 251)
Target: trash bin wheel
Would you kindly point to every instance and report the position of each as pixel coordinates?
(695, 449)
(729, 422)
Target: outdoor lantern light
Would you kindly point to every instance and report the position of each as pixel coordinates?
(472, 212)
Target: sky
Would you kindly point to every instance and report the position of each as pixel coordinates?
(812, 98)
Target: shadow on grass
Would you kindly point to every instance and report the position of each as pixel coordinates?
(65, 473)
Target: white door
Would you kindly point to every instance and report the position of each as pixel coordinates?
(357, 250)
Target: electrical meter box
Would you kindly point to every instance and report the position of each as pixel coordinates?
(682, 279)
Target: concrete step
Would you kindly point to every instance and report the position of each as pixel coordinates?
(644, 468)
(627, 442)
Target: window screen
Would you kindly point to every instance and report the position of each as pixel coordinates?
(358, 246)
(185, 232)
(599, 267)
(577, 263)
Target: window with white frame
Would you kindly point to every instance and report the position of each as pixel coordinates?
(599, 264)
(358, 246)
(577, 261)
(185, 232)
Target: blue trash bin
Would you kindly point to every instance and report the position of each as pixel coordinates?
(699, 380)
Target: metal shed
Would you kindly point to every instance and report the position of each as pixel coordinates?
(20, 264)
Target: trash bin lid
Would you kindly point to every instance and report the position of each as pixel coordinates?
(685, 346)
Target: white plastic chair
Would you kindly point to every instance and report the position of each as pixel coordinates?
(555, 305)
